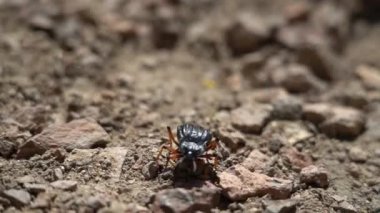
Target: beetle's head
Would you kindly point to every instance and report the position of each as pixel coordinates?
(191, 150)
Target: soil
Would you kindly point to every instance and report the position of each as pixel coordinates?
(136, 67)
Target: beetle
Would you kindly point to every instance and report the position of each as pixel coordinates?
(194, 143)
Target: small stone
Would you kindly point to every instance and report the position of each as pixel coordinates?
(238, 184)
(358, 155)
(321, 61)
(80, 134)
(247, 33)
(251, 119)
(35, 188)
(7, 148)
(231, 138)
(296, 79)
(26, 179)
(182, 200)
(346, 123)
(256, 161)
(66, 185)
(58, 174)
(150, 170)
(41, 22)
(265, 95)
(297, 11)
(314, 176)
(18, 198)
(345, 207)
(135, 208)
(280, 206)
(287, 108)
(291, 132)
(335, 121)
(296, 159)
(96, 202)
(370, 76)
(42, 201)
(317, 113)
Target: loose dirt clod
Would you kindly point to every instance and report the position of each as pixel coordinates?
(315, 176)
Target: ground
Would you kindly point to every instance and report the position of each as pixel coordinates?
(291, 89)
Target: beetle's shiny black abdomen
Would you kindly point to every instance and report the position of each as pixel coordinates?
(192, 139)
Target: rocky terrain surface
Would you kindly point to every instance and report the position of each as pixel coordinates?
(291, 89)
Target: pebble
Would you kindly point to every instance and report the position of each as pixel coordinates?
(314, 176)
(77, 134)
(150, 170)
(7, 148)
(251, 119)
(296, 159)
(358, 155)
(345, 207)
(246, 34)
(370, 76)
(18, 198)
(66, 185)
(238, 184)
(231, 138)
(335, 121)
(291, 132)
(287, 108)
(182, 200)
(256, 161)
(35, 188)
(296, 78)
(280, 206)
(345, 123)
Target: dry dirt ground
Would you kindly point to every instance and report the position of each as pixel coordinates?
(292, 89)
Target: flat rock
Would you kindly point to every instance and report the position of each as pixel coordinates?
(280, 206)
(66, 185)
(231, 138)
(317, 112)
(106, 163)
(314, 176)
(247, 33)
(77, 134)
(346, 123)
(256, 161)
(238, 184)
(251, 119)
(182, 200)
(150, 170)
(322, 61)
(292, 132)
(370, 76)
(336, 121)
(35, 187)
(296, 79)
(18, 198)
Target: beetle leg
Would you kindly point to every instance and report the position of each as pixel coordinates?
(165, 147)
(213, 156)
(171, 136)
(213, 144)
